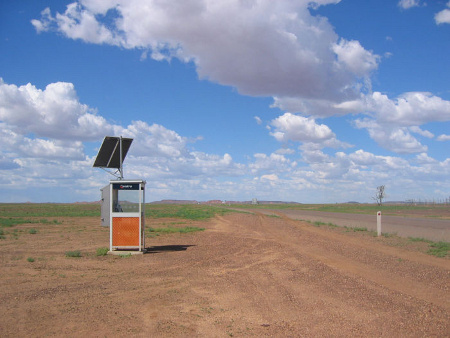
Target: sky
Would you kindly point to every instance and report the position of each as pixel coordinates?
(304, 101)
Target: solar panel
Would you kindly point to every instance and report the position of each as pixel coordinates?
(109, 154)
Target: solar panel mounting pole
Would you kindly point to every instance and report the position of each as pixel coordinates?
(120, 159)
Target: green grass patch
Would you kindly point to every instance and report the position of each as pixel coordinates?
(172, 230)
(30, 259)
(32, 231)
(76, 253)
(49, 210)
(8, 222)
(439, 249)
(387, 234)
(318, 224)
(419, 239)
(2, 234)
(102, 251)
(192, 212)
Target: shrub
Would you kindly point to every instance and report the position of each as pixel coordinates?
(75, 253)
(30, 259)
(102, 251)
(32, 231)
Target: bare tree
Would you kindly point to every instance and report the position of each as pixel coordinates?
(380, 195)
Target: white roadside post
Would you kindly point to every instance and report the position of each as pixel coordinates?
(379, 223)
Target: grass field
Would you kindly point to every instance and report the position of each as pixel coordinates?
(12, 214)
(24, 210)
(201, 211)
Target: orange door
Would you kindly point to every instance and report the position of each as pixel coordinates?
(125, 231)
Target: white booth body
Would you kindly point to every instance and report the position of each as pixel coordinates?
(123, 204)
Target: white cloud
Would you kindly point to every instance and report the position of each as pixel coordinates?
(443, 137)
(50, 161)
(54, 112)
(424, 133)
(258, 120)
(396, 139)
(407, 4)
(290, 127)
(155, 140)
(270, 48)
(392, 121)
(40, 128)
(319, 107)
(44, 24)
(423, 158)
(269, 177)
(409, 109)
(274, 163)
(443, 16)
(352, 56)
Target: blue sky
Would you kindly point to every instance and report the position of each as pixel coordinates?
(307, 101)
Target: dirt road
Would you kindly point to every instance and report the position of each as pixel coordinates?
(246, 275)
(429, 228)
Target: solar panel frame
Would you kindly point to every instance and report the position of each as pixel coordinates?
(109, 154)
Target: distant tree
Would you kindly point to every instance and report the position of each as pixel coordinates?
(380, 195)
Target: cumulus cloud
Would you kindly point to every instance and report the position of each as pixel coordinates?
(443, 16)
(409, 109)
(273, 163)
(55, 118)
(48, 127)
(54, 112)
(396, 139)
(290, 127)
(270, 48)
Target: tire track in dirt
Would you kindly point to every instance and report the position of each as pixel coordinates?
(326, 253)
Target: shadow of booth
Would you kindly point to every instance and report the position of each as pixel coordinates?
(167, 248)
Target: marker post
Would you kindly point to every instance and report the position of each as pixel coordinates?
(379, 223)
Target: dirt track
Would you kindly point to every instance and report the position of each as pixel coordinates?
(246, 275)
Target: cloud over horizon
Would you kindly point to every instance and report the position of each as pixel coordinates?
(282, 51)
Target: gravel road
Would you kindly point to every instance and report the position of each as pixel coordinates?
(432, 229)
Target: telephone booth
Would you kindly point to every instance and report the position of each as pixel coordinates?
(127, 215)
(123, 201)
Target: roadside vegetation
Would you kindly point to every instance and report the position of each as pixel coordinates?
(438, 249)
(431, 210)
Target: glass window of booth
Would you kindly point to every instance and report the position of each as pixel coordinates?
(126, 197)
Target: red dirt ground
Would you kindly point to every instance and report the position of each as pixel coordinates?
(246, 275)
